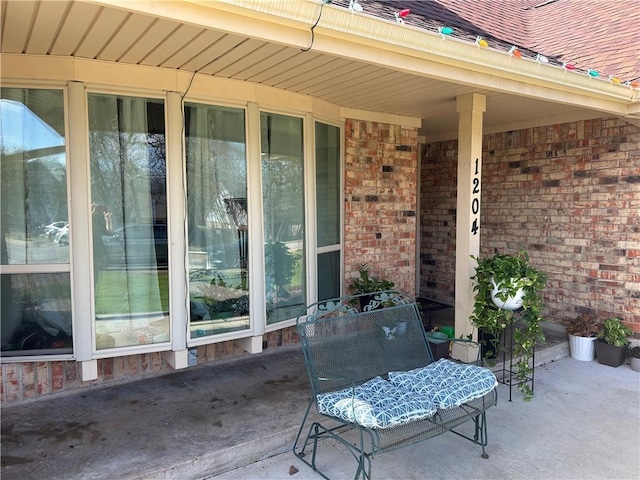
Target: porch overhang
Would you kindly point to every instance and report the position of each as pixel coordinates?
(364, 65)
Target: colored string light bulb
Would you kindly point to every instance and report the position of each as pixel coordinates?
(541, 59)
(515, 52)
(445, 30)
(615, 80)
(568, 66)
(354, 6)
(481, 42)
(593, 73)
(401, 14)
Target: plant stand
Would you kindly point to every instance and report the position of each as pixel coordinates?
(506, 373)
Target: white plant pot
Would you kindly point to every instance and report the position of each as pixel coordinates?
(511, 303)
(582, 348)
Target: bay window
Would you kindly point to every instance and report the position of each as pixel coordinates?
(122, 219)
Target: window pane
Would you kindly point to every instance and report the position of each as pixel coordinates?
(283, 203)
(328, 275)
(36, 314)
(33, 175)
(328, 184)
(218, 220)
(129, 220)
(35, 307)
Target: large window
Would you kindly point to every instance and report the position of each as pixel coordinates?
(218, 233)
(129, 220)
(34, 232)
(283, 215)
(128, 249)
(328, 181)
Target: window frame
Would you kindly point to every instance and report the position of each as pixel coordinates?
(31, 268)
(75, 99)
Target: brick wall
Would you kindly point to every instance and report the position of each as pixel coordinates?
(569, 194)
(380, 201)
(28, 380)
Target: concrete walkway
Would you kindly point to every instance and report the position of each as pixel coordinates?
(208, 420)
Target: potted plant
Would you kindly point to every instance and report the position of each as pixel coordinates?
(366, 283)
(504, 284)
(583, 331)
(611, 346)
(634, 356)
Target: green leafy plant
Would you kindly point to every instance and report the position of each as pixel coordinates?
(614, 332)
(584, 325)
(366, 283)
(509, 274)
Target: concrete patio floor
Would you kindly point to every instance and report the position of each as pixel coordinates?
(238, 421)
(583, 424)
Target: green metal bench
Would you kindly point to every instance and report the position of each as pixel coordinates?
(375, 384)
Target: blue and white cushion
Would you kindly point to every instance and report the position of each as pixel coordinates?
(375, 404)
(448, 384)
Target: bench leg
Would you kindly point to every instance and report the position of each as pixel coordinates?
(480, 436)
(319, 432)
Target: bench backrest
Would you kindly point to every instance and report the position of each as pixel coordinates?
(345, 344)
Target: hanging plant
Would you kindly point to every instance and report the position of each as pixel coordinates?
(500, 280)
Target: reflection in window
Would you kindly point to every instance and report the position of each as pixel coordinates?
(218, 219)
(129, 220)
(283, 216)
(36, 314)
(34, 233)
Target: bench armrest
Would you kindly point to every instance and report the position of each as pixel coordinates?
(333, 377)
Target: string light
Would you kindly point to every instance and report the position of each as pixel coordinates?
(401, 14)
(481, 42)
(355, 6)
(514, 51)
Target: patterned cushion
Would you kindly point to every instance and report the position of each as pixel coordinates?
(448, 384)
(376, 404)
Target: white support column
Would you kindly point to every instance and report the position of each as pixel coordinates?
(178, 357)
(470, 108)
(80, 231)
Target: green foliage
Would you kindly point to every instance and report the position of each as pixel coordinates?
(367, 283)
(614, 332)
(280, 265)
(510, 273)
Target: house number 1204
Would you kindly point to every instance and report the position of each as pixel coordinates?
(475, 201)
